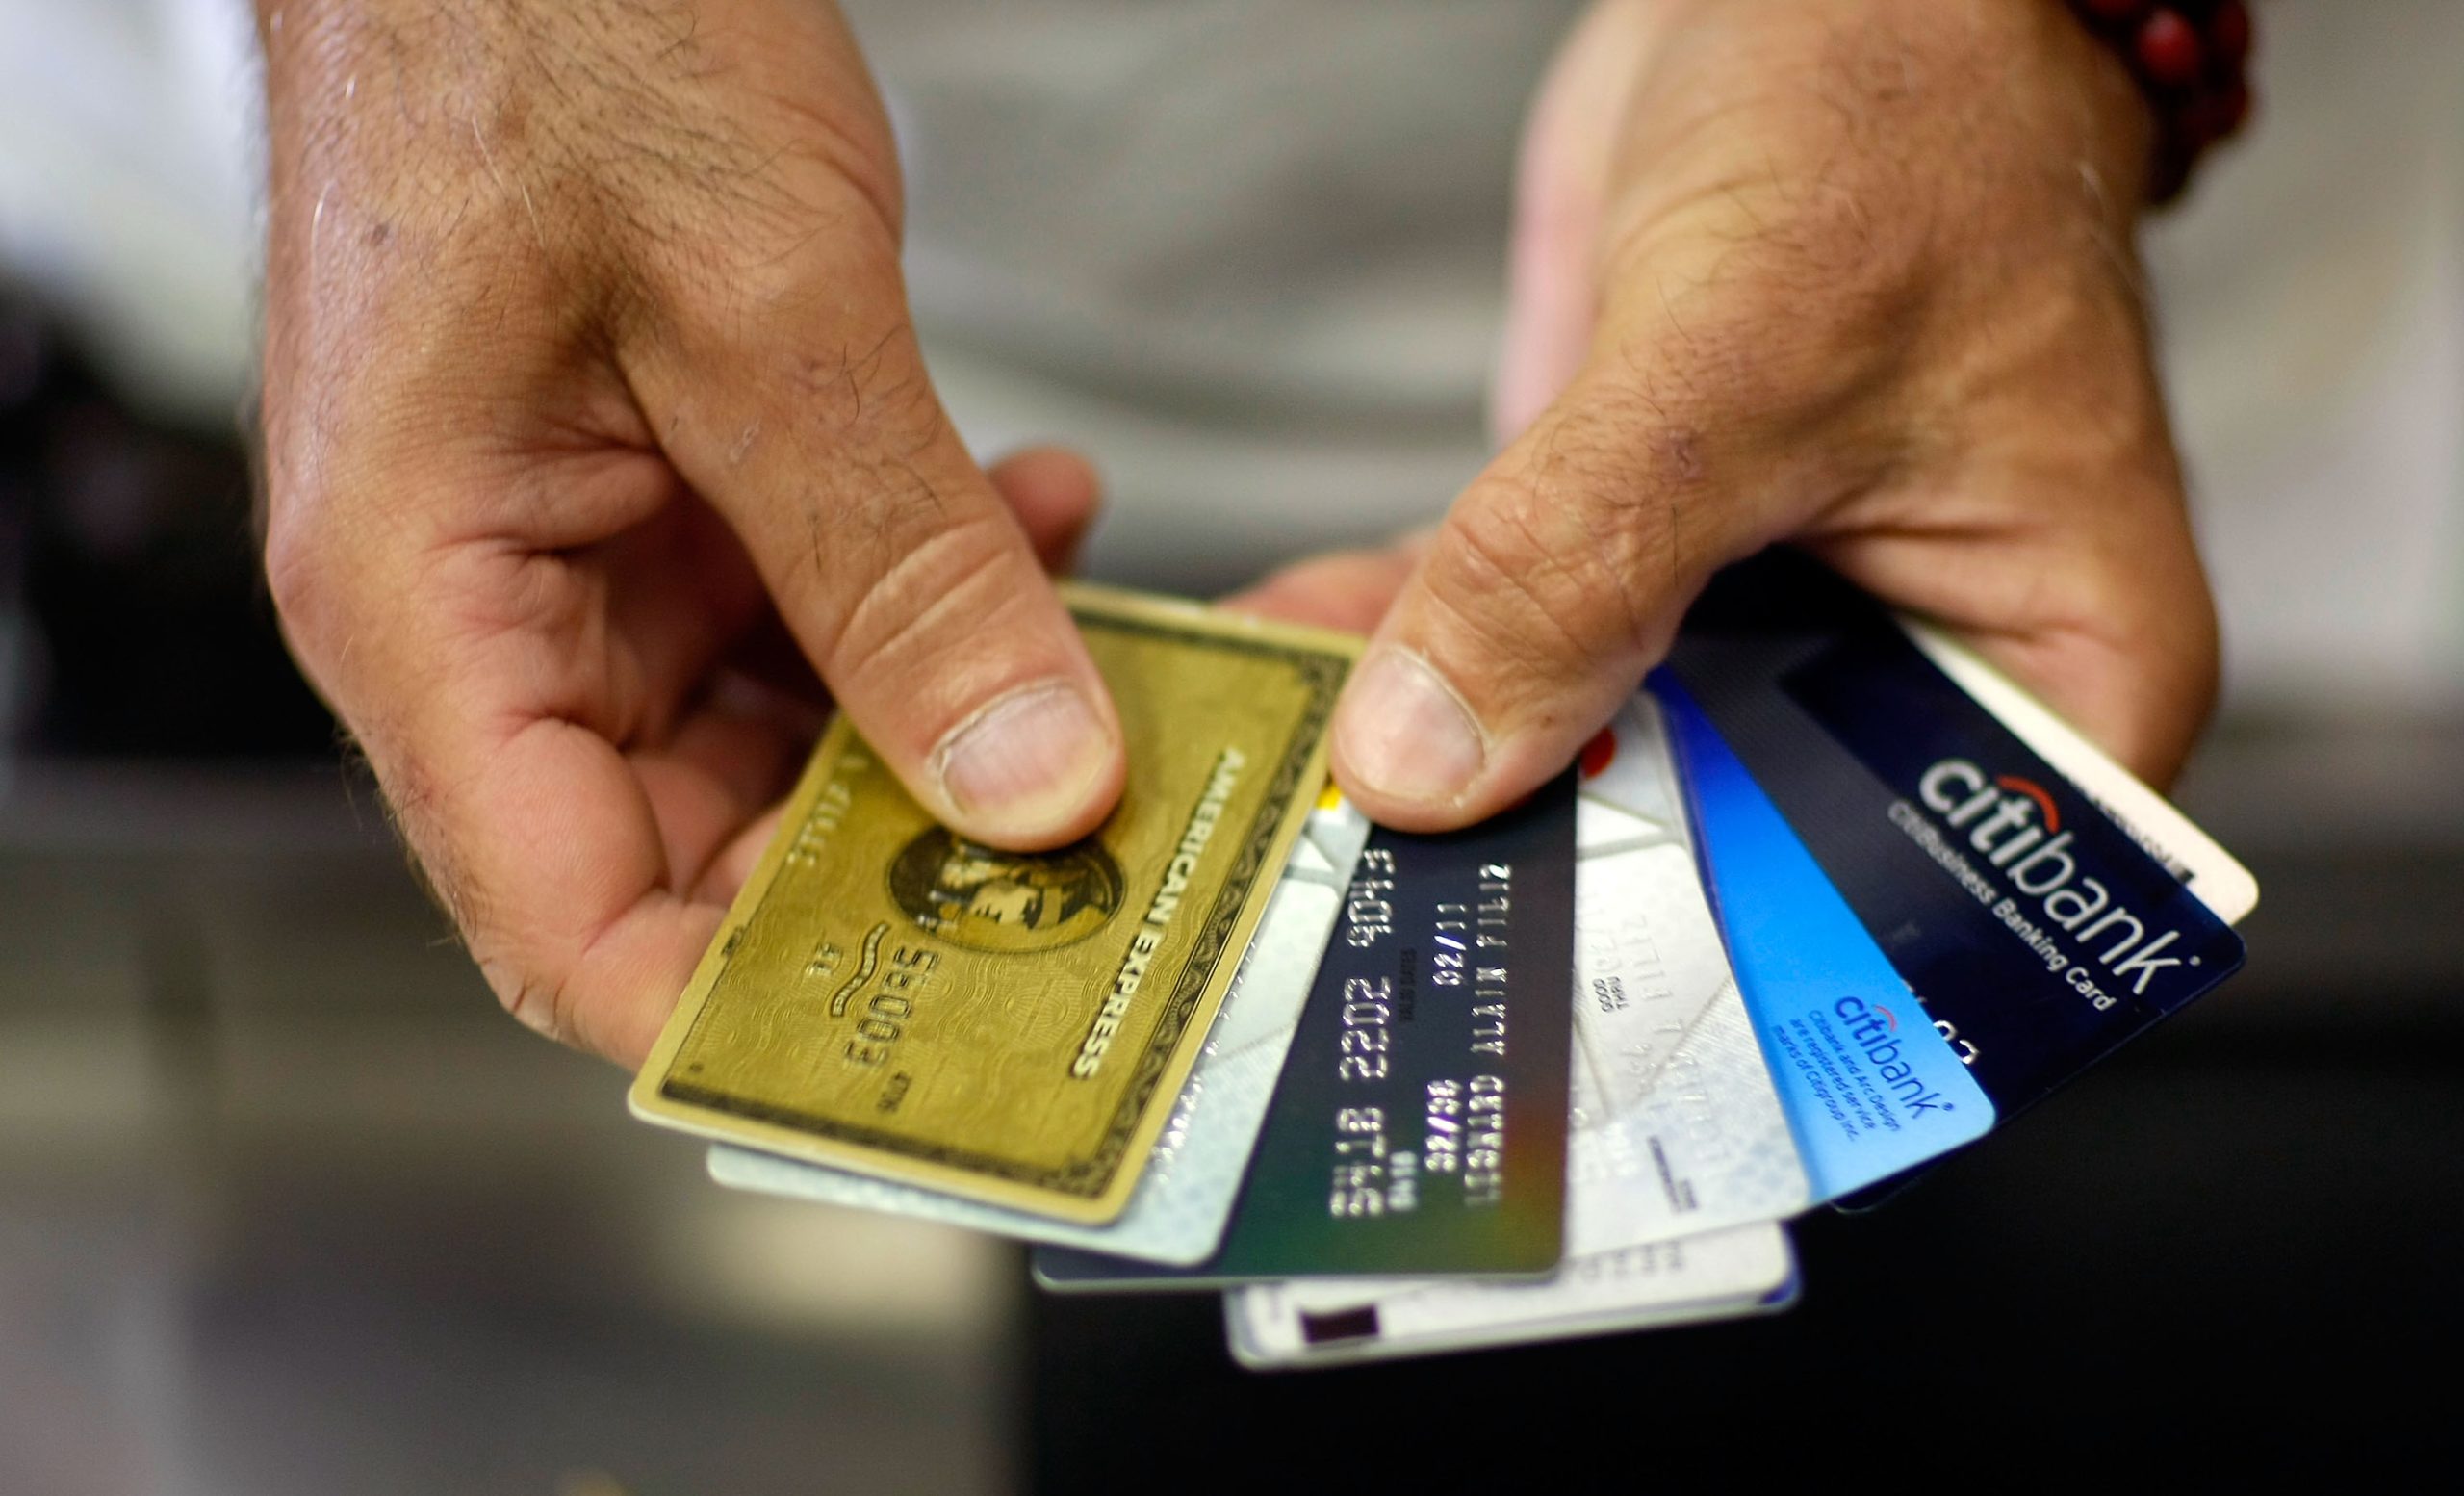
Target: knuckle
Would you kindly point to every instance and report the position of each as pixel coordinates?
(295, 570)
(303, 568)
(752, 177)
(1590, 540)
(1530, 604)
(943, 610)
(1628, 470)
(354, 619)
(769, 254)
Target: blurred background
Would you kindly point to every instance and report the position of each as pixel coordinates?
(287, 1205)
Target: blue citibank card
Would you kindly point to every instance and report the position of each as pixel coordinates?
(1940, 901)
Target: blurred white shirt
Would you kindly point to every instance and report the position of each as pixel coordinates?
(1249, 254)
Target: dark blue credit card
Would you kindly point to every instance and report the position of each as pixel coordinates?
(2036, 930)
(1419, 1123)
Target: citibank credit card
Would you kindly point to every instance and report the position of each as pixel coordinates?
(1939, 902)
(1420, 1126)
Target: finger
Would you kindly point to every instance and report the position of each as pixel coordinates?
(1349, 590)
(542, 841)
(1556, 581)
(584, 875)
(904, 576)
(593, 950)
(2144, 700)
(1055, 494)
(2124, 647)
(1561, 183)
(736, 861)
(723, 767)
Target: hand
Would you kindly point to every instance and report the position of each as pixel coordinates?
(592, 404)
(1855, 275)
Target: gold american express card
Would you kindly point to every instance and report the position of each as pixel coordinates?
(889, 998)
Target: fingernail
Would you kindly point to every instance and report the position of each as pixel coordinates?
(1406, 733)
(1023, 766)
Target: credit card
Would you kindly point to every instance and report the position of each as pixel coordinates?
(1678, 1129)
(1869, 1088)
(1184, 1200)
(1680, 1159)
(1420, 1126)
(893, 999)
(1934, 924)
(1726, 1274)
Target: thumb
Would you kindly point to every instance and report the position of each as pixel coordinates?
(1055, 494)
(1556, 580)
(907, 580)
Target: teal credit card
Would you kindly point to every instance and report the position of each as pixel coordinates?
(1420, 1125)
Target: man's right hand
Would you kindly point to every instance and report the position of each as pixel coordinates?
(588, 367)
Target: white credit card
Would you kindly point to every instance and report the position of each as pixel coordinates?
(1725, 1274)
(1678, 1128)
(1185, 1196)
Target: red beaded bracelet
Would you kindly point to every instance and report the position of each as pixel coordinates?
(2191, 59)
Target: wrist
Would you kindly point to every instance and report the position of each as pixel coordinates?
(2049, 103)
(1971, 103)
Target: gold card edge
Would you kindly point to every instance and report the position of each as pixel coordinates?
(1155, 609)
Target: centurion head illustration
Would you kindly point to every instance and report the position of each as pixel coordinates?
(989, 900)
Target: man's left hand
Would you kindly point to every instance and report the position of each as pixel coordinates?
(1859, 278)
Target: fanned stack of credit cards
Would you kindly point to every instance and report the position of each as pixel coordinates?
(1827, 901)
